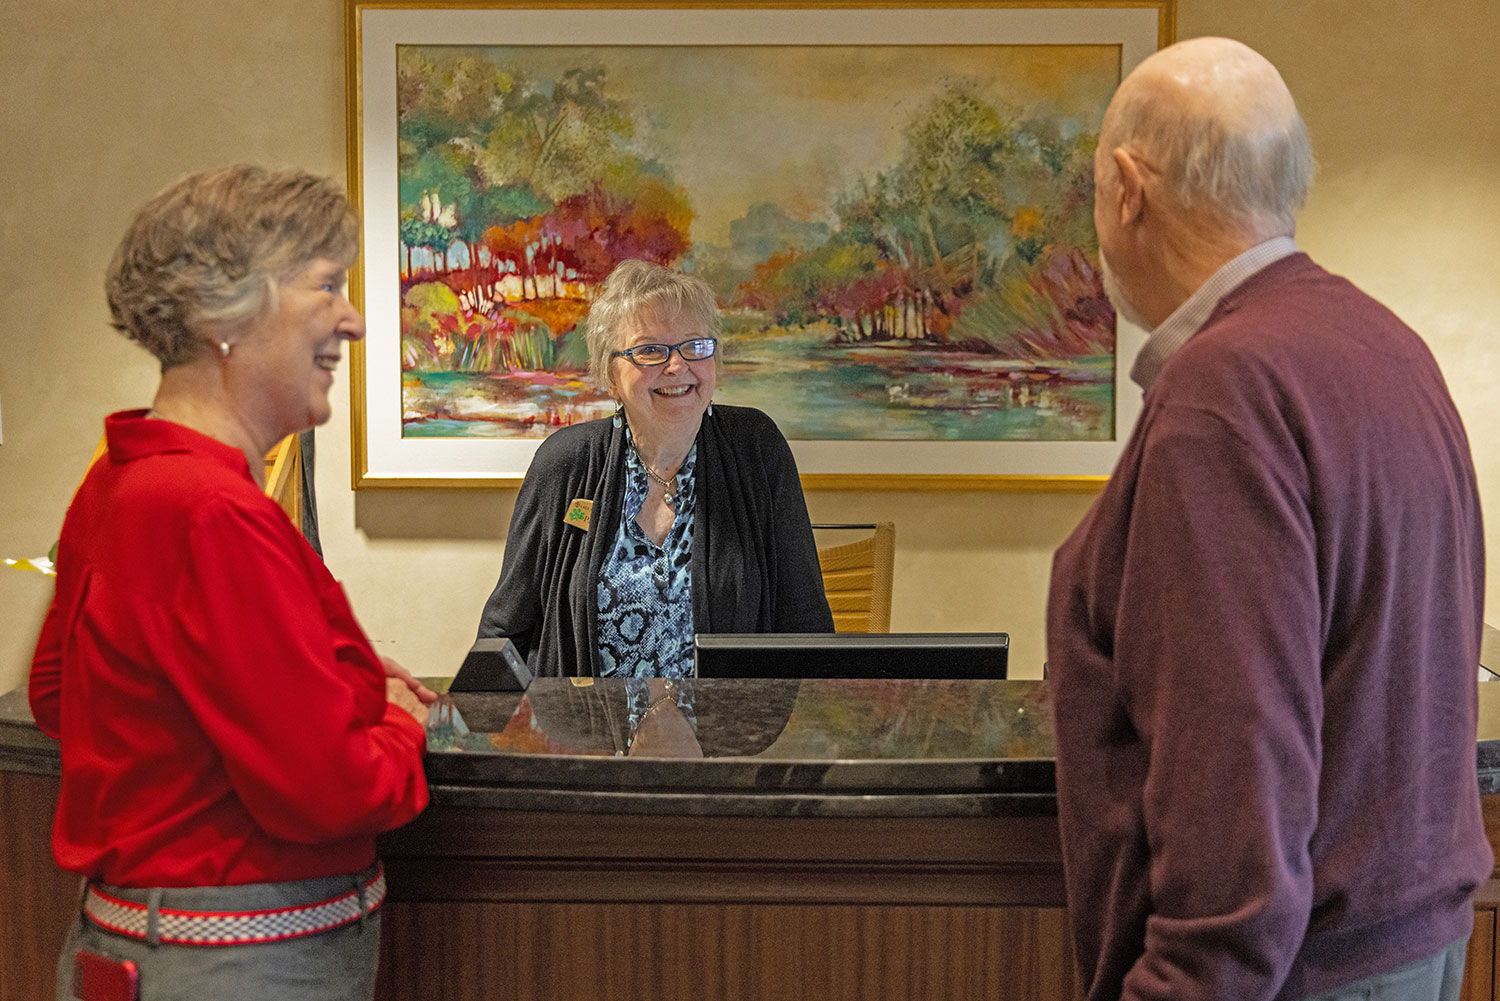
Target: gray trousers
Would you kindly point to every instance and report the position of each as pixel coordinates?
(1436, 978)
(335, 965)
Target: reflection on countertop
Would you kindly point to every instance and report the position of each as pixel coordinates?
(813, 720)
(741, 747)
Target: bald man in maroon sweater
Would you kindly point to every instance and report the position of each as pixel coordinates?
(1263, 638)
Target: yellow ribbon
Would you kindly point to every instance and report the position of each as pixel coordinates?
(40, 564)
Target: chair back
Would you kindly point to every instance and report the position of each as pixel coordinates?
(858, 576)
(1489, 652)
(284, 477)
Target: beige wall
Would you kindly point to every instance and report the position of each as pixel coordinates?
(107, 102)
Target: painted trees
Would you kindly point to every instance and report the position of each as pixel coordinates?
(520, 160)
(971, 239)
(521, 192)
(516, 190)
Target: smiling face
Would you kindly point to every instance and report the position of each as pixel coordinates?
(281, 368)
(665, 400)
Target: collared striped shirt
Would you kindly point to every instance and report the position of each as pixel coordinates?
(1189, 318)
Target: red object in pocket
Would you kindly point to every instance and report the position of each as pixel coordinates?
(100, 978)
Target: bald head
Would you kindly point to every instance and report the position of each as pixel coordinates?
(1215, 120)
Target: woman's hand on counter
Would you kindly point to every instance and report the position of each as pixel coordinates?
(397, 691)
(396, 672)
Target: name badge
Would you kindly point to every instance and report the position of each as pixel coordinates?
(580, 513)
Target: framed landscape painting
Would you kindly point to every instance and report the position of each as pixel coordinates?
(893, 205)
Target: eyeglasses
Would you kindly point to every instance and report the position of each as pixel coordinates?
(651, 355)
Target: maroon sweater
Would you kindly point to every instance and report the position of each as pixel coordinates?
(1263, 641)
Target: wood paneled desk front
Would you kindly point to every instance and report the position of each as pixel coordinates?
(761, 840)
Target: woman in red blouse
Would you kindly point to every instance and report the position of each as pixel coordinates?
(231, 743)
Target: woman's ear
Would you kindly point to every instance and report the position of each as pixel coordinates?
(611, 385)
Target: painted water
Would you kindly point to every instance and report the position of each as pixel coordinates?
(815, 391)
(896, 392)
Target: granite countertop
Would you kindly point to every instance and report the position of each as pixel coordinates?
(756, 747)
(741, 747)
(720, 747)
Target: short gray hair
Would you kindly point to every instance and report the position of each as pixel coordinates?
(1249, 175)
(637, 290)
(208, 252)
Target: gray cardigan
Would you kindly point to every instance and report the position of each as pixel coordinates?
(754, 564)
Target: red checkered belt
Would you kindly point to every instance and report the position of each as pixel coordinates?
(182, 927)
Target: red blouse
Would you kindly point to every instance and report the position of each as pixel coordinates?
(222, 716)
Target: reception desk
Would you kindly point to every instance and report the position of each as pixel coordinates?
(742, 839)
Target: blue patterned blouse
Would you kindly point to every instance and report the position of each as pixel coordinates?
(646, 590)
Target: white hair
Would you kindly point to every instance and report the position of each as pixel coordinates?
(1254, 175)
(637, 290)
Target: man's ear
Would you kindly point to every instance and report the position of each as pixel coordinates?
(1132, 197)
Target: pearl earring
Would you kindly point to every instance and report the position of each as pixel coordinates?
(223, 349)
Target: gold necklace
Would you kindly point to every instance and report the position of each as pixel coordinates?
(668, 487)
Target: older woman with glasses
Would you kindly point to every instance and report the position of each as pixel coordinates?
(674, 517)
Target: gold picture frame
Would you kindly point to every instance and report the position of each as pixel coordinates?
(386, 455)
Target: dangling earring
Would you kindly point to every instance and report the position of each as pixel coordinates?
(223, 349)
(710, 408)
(619, 419)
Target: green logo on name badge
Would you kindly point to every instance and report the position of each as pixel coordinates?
(580, 513)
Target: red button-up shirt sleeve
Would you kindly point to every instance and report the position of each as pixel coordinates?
(45, 686)
(295, 700)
